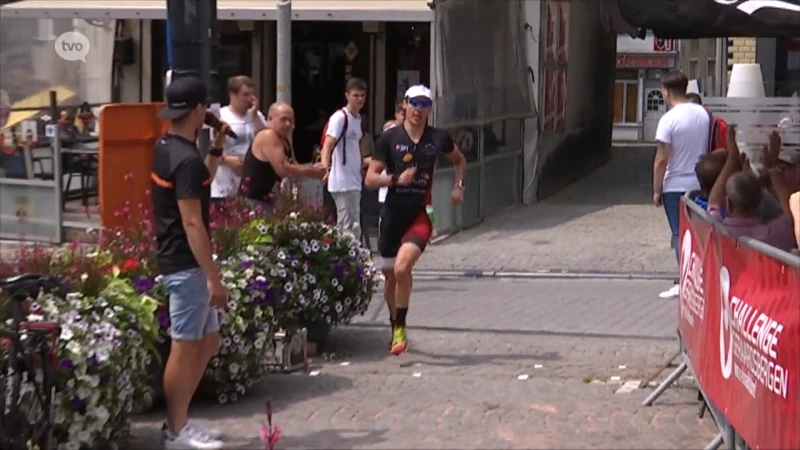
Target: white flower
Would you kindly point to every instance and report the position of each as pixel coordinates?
(73, 347)
(101, 415)
(288, 287)
(334, 282)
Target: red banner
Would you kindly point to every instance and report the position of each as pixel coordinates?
(739, 320)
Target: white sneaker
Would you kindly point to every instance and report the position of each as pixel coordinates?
(213, 433)
(192, 439)
(672, 292)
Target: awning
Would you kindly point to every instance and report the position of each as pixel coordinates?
(696, 19)
(40, 101)
(314, 10)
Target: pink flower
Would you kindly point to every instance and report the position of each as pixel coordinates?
(270, 436)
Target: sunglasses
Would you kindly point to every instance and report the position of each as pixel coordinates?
(417, 103)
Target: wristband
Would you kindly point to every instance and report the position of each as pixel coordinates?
(215, 152)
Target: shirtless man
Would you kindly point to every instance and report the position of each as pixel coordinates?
(270, 159)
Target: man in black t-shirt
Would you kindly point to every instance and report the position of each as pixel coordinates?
(408, 154)
(181, 181)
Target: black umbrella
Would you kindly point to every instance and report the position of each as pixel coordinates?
(696, 19)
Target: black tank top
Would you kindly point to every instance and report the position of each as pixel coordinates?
(259, 177)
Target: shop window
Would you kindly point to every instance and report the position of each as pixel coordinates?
(503, 136)
(694, 69)
(626, 101)
(555, 65)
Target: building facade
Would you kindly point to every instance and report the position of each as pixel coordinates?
(699, 62)
(638, 103)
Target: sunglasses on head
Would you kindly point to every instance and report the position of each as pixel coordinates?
(420, 103)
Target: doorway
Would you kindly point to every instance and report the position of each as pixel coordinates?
(408, 60)
(324, 56)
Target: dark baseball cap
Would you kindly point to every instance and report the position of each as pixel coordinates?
(183, 95)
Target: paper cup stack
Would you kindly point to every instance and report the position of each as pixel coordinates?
(746, 81)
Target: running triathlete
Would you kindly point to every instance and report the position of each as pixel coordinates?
(409, 153)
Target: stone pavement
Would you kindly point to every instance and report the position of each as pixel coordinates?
(605, 222)
(522, 364)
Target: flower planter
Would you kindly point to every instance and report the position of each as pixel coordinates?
(317, 334)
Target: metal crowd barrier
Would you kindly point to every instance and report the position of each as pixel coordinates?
(739, 333)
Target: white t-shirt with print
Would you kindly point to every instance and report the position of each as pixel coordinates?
(345, 177)
(685, 127)
(226, 182)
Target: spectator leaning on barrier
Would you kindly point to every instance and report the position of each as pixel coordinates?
(741, 192)
(789, 165)
(794, 207)
(708, 170)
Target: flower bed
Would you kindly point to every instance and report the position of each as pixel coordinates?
(291, 271)
(103, 350)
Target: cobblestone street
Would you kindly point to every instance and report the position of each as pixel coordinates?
(605, 222)
(492, 364)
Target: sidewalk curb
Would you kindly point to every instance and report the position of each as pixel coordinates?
(544, 275)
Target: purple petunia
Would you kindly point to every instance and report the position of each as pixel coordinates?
(66, 364)
(143, 285)
(163, 319)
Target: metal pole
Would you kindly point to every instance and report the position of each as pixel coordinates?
(721, 67)
(284, 38)
(665, 384)
(57, 177)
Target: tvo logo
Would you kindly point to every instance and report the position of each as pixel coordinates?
(725, 324)
(72, 46)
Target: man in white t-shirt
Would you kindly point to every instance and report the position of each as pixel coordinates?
(244, 119)
(342, 158)
(681, 140)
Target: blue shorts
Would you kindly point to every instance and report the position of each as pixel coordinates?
(190, 315)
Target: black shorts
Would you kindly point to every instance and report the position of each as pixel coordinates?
(396, 228)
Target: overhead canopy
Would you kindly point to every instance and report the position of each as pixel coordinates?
(695, 19)
(315, 10)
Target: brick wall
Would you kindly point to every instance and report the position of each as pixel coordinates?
(741, 50)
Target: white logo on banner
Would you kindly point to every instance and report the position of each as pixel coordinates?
(692, 300)
(748, 343)
(725, 343)
(751, 6)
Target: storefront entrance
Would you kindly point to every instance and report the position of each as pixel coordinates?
(388, 56)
